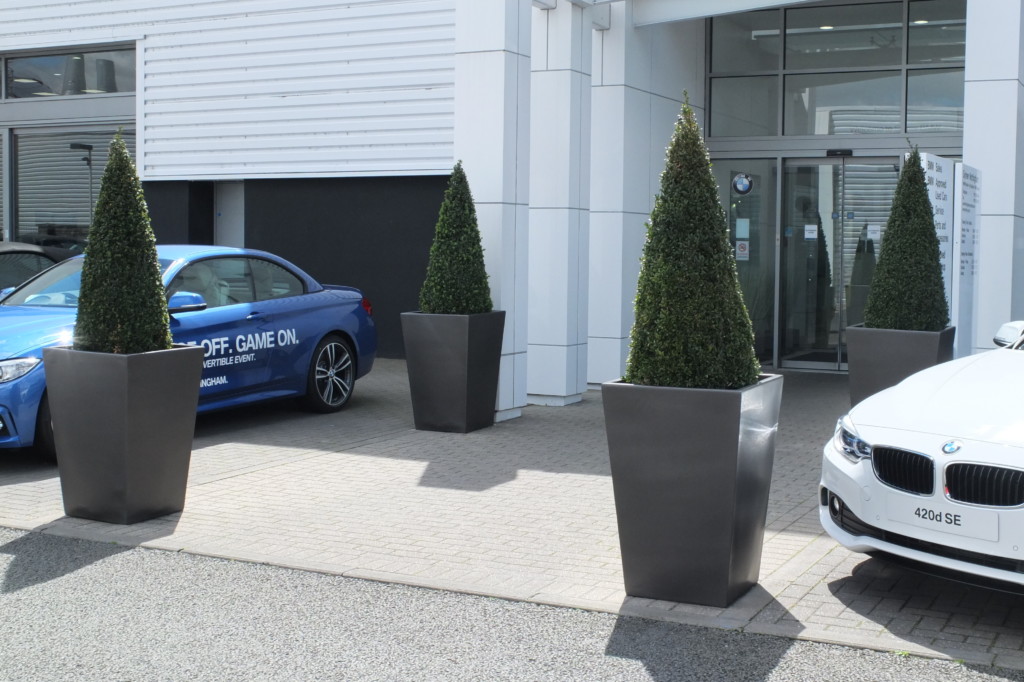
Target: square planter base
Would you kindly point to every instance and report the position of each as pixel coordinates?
(123, 428)
(453, 363)
(880, 358)
(691, 471)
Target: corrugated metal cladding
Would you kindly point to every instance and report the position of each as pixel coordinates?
(235, 89)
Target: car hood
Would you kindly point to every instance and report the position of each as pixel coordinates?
(27, 329)
(975, 398)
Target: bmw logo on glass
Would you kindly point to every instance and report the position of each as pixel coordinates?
(952, 446)
(742, 183)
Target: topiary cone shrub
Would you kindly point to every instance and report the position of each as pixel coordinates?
(122, 308)
(907, 291)
(692, 329)
(456, 280)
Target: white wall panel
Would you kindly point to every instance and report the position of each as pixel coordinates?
(231, 89)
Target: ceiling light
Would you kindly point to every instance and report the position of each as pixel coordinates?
(25, 80)
(826, 28)
(921, 21)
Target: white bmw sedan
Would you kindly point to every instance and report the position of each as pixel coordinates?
(932, 469)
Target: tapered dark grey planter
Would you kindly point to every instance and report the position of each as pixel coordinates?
(880, 358)
(453, 363)
(123, 428)
(691, 470)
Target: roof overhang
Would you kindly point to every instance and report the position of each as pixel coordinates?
(660, 11)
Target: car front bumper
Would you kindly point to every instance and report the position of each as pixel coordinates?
(865, 515)
(19, 406)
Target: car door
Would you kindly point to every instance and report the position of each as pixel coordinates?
(298, 326)
(238, 340)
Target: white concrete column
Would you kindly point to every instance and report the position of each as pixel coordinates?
(492, 135)
(559, 204)
(994, 144)
(639, 75)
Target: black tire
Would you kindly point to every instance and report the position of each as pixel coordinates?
(332, 375)
(43, 446)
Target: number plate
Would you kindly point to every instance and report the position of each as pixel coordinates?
(937, 514)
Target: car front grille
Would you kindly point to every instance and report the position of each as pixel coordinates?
(987, 485)
(904, 470)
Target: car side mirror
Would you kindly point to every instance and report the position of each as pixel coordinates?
(4, 293)
(185, 302)
(1009, 333)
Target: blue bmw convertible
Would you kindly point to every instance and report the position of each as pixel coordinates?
(268, 330)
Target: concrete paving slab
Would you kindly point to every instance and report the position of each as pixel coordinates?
(524, 511)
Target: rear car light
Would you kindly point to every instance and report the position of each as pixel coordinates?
(367, 306)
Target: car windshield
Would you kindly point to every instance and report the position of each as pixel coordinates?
(58, 286)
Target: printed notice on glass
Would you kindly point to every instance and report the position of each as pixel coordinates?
(742, 250)
(743, 228)
(875, 234)
(810, 231)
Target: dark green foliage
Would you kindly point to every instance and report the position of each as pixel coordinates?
(456, 282)
(825, 300)
(907, 291)
(121, 307)
(692, 329)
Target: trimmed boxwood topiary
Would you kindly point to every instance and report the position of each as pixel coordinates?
(456, 281)
(122, 307)
(692, 329)
(907, 291)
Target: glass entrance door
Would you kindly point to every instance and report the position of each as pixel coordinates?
(833, 215)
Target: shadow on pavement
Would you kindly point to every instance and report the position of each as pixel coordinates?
(37, 558)
(23, 465)
(571, 439)
(941, 614)
(670, 651)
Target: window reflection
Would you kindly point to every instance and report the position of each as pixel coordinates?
(745, 42)
(938, 31)
(745, 106)
(935, 101)
(839, 37)
(79, 73)
(58, 180)
(843, 103)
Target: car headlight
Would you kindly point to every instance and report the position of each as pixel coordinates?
(848, 442)
(18, 367)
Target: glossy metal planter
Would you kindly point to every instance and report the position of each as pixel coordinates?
(880, 358)
(691, 471)
(123, 428)
(453, 363)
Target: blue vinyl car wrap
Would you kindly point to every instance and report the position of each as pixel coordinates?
(268, 329)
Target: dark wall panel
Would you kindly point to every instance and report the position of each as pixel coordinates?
(181, 211)
(372, 233)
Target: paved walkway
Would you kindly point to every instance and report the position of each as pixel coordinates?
(522, 510)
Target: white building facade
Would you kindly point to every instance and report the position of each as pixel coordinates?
(324, 131)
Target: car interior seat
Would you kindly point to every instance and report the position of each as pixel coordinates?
(199, 278)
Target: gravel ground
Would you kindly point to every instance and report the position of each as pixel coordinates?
(78, 610)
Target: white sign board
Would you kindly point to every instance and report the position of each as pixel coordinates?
(965, 247)
(938, 173)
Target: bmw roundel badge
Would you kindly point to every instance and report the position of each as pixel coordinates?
(742, 183)
(952, 446)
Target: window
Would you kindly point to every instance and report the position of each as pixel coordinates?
(57, 183)
(745, 42)
(843, 103)
(745, 106)
(273, 281)
(73, 73)
(938, 31)
(227, 281)
(885, 67)
(844, 37)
